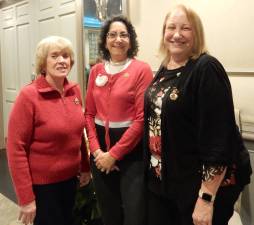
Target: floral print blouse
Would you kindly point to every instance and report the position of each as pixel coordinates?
(156, 93)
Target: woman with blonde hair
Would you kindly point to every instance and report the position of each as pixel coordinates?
(45, 144)
(195, 159)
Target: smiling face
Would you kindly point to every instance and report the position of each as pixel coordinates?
(58, 64)
(178, 35)
(118, 41)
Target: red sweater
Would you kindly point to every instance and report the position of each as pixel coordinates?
(45, 135)
(119, 100)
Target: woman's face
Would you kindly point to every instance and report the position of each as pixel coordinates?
(178, 36)
(118, 41)
(58, 63)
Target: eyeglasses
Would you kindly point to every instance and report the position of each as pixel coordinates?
(114, 35)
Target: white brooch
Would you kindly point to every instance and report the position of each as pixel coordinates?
(101, 80)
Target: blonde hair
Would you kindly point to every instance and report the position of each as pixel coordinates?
(43, 48)
(199, 45)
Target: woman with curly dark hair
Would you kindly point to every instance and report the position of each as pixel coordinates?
(132, 37)
(114, 123)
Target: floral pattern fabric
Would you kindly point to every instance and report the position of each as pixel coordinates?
(156, 93)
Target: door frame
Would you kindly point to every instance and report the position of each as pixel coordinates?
(2, 142)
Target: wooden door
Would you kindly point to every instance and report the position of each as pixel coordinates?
(60, 17)
(16, 53)
(22, 26)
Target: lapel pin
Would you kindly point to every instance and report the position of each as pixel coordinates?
(76, 101)
(174, 94)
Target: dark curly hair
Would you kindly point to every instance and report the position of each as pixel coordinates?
(103, 51)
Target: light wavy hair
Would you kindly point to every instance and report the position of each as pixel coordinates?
(45, 45)
(199, 46)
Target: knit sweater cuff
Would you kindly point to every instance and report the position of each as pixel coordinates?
(115, 154)
(25, 195)
(93, 146)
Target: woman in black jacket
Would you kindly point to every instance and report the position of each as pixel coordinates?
(194, 152)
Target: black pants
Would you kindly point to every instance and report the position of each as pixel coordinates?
(121, 194)
(166, 211)
(54, 202)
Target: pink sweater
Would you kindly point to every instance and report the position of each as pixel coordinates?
(121, 99)
(45, 135)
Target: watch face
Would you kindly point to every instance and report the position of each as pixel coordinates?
(207, 197)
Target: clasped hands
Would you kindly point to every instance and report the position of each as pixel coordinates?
(104, 161)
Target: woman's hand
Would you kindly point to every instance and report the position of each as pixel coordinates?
(203, 212)
(84, 178)
(97, 152)
(105, 162)
(27, 213)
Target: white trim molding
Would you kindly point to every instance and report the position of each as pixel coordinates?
(240, 73)
(248, 130)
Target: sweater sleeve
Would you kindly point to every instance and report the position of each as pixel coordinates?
(20, 132)
(90, 112)
(133, 134)
(215, 114)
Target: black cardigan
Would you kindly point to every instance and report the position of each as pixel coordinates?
(197, 128)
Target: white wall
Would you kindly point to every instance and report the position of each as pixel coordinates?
(229, 33)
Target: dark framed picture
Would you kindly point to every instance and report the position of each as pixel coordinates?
(95, 13)
(104, 9)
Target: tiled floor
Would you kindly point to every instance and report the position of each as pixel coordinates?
(9, 209)
(235, 220)
(9, 213)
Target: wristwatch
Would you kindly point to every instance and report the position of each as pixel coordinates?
(206, 196)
